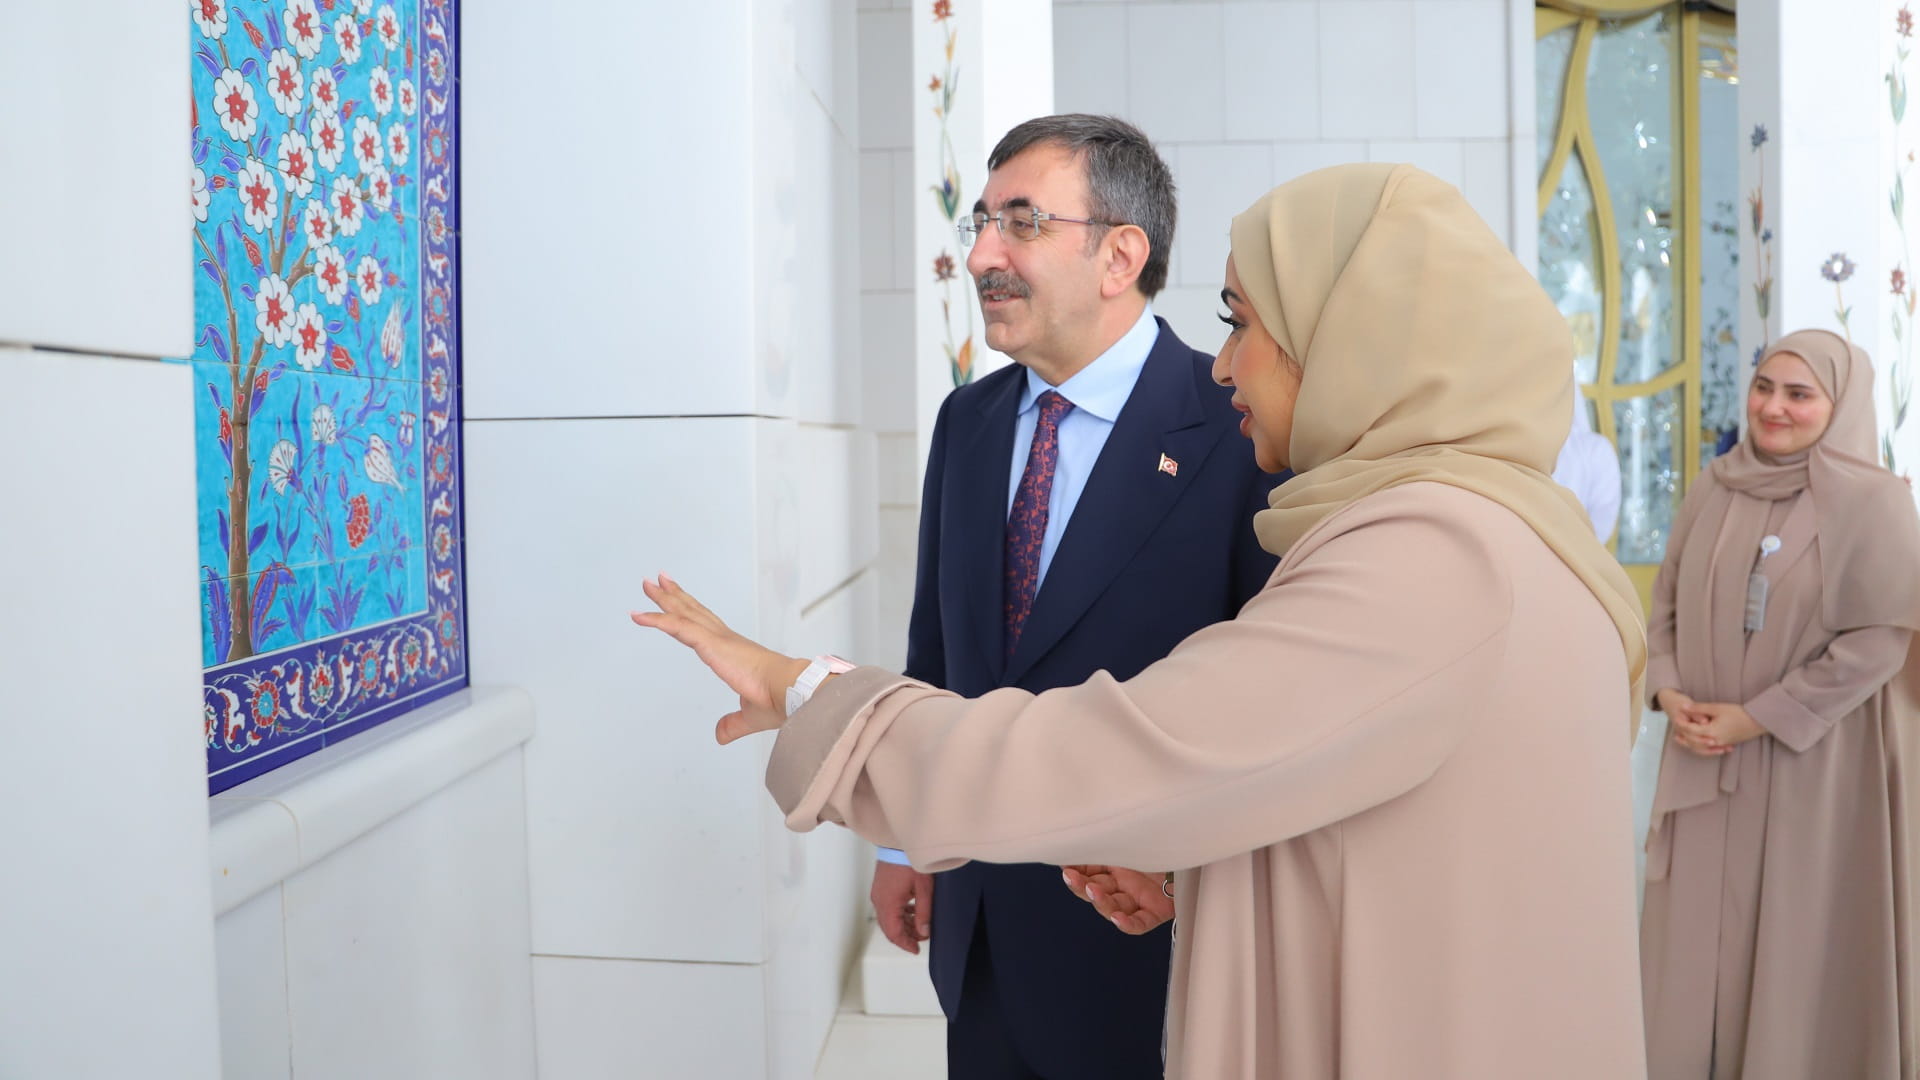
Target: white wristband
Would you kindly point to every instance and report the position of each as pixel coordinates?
(810, 680)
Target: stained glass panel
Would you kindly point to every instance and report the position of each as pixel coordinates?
(1630, 97)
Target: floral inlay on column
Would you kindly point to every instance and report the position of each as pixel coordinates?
(1899, 365)
(1762, 240)
(947, 194)
(1839, 269)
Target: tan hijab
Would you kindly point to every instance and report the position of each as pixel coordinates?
(1864, 515)
(1427, 353)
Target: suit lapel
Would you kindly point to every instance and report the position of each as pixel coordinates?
(1125, 498)
(979, 509)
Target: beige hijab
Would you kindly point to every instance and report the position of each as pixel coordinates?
(1428, 353)
(1863, 514)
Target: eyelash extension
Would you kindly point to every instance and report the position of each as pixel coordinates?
(1231, 321)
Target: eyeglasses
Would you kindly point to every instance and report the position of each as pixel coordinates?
(1017, 223)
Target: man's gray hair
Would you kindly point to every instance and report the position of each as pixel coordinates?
(1127, 182)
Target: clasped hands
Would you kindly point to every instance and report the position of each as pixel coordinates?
(1709, 729)
(1129, 899)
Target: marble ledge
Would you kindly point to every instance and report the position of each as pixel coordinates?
(273, 826)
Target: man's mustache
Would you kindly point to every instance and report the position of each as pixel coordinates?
(1002, 282)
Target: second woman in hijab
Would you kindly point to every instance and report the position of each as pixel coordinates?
(1399, 817)
(1777, 940)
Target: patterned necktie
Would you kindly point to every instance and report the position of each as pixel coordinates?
(1027, 523)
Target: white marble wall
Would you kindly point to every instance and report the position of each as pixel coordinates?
(401, 951)
(106, 924)
(889, 190)
(664, 372)
(93, 253)
(1818, 79)
(1241, 96)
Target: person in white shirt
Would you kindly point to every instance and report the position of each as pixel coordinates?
(1589, 467)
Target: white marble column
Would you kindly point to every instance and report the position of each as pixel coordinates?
(106, 921)
(979, 68)
(1827, 173)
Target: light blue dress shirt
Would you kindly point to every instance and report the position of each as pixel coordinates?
(1098, 392)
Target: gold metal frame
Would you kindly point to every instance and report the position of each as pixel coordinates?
(1573, 130)
(1622, 9)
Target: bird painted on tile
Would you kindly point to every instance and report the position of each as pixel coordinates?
(379, 463)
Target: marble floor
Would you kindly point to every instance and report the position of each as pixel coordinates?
(863, 1047)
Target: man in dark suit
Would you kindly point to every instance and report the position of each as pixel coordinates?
(1085, 509)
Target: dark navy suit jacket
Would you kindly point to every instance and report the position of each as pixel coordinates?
(1147, 559)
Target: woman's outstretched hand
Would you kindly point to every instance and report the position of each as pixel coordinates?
(758, 674)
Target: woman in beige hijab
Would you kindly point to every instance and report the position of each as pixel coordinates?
(1777, 938)
(1398, 817)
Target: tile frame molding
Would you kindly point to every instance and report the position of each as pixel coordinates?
(270, 828)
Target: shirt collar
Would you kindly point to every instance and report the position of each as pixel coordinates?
(1102, 387)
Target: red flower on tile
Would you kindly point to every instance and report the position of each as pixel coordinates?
(1904, 22)
(320, 687)
(266, 703)
(1899, 281)
(348, 210)
(369, 664)
(380, 85)
(211, 15)
(326, 92)
(329, 142)
(303, 31)
(389, 28)
(260, 197)
(348, 35)
(359, 521)
(942, 10)
(330, 268)
(943, 267)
